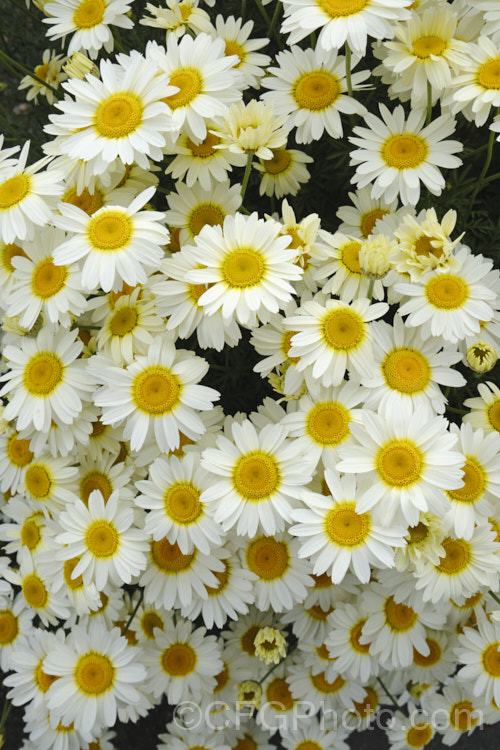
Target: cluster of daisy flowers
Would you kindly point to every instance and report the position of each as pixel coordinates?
(278, 575)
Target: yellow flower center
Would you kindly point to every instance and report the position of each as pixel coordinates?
(182, 503)
(30, 534)
(427, 46)
(189, 82)
(324, 686)
(42, 71)
(399, 617)
(433, 656)
(336, 8)
(349, 256)
(34, 592)
(343, 329)
(221, 679)
(94, 673)
(9, 627)
(279, 163)
(196, 290)
(156, 390)
(150, 621)
(268, 558)
(328, 423)
(406, 370)
(457, 556)
(278, 693)
(88, 202)
(419, 735)
(417, 533)
(89, 13)
(447, 292)
(168, 557)
(308, 745)
(95, 480)
(123, 321)
(316, 612)
(178, 660)
(125, 290)
(102, 539)
(368, 705)
(405, 151)
(491, 659)
(8, 252)
(38, 481)
(109, 231)
(489, 74)
(233, 48)
(248, 638)
(42, 679)
(69, 566)
(223, 578)
(247, 743)
(474, 483)
(43, 373)
(205, 214)
(256, 476)
(399, 463)
(286, 343)
(424, 246)
(346, 528)
(243, 268)
(18, 451)
(118, 116)
(13, 190)
(493, 414)
(354, 636)
(316, 90)
(461, 717)
(48, 279)
(206, 147)
(369, 219)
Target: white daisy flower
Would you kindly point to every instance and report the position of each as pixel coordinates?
(179, 17)
(475, 88)
(331, 336)
(438, 664)
(205, 78)
(485, 408)
(88, 21)
(407, 457)
(239, 643)
(395, 155)
(248, 265)
(50, 71)
(340, 267)
(450, 303)
(61, 440)
(278, 707)
(309, 86)
(48, 605)
(479, 652)
(116, 242)
(97, 672)
(312, 733)
(182, 662)
(46, 381)
(16, 628)
(343, 21)
(259, 478)
(45, 732)
(172, 494)
(315, 689)
(412, 732)
(360, 219)
(252, 128)
(157, 395)
(343, 643)
(236, 35)
(24, 530)
(84, 598)
(48, 484)
(454, 712)
(15, 455)
(284, 173)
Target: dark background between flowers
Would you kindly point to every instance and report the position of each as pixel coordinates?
(22, 36)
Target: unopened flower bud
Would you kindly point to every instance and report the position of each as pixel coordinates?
(249, 694)
(270, 645)
(481, 357)
(375, 256)
(79, 65)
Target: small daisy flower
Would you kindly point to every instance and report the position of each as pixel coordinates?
(331, 336)
(48, 484)
(410, 733)
(104, 539)
(343, 643)
(451, 303)
(179, 17)
(276, 705)
(24, 530)
(252, 128)
(325, 694)
(484, 409)
(248, 265)
(15, 455)
(115, 242)
(455, 712)
(360, 219)
(97, 671)
(479, 652)
(106, 473)
(48, 605)
(158, 394)
(438, 664)
(260, 476)
(309, 86)
(475, 88)
(16, 628)
(284, 173)
(236, 35)
(396, 155)
(46, 381)
(50, 71)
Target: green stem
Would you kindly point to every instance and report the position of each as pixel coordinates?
(492, 177)
(456, 411)
(270, 22)
(263, 12)
(118, 40)
(270, 671)
(348, 68)
(392, 698)
(370, 288)
(243, 9)
(274, 19)
(487, 162)
(429, 103)
(5, 712)
(139, 602)
(494, 596)
(313, 40)
(248, 169)
(89, 328)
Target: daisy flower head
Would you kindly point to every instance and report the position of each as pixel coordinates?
(179, 17)
(121, 117)
(456, 711)
(105, 539)
(182, 662)
(321, 693)
(248, 266)
(476, 87)
(485, 408)
(332, 336)
(15, 455)
(406, 454)
(158, 395)
(48, 484)
(36, 593)
(88, 21)
(343, 643)
(424, 243)
(253, 128)
(116, 243)
(409, 367)
(338, 538)
(450, 303)
(23, 529)
(423, 542)
(260, 475)
(479, 651)
(27, 196)
(360, 219)
(98, 672)
(205, 79)
(46, 380)
(15, 628)
(50, 71)
(342, 21)
(410, 733)
(236, 35)
(284, 172)
(309, 86)
(396, 155)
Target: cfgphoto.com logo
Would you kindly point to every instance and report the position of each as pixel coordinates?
(273, 717)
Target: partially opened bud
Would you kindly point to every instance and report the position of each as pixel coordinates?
(375, 256)
(79, 65)
(481, 357)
